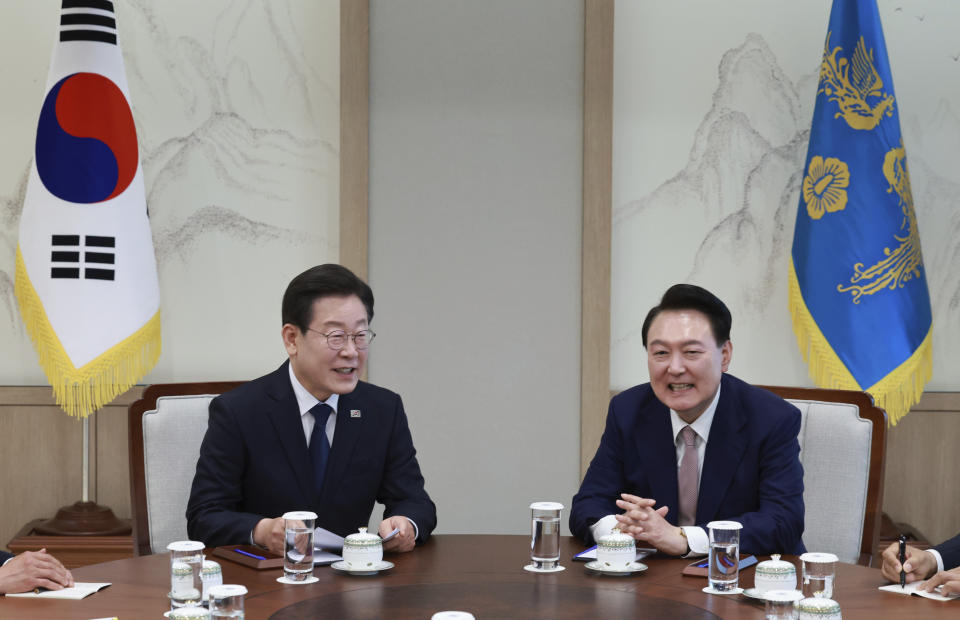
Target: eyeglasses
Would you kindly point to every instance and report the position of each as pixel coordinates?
(337, 339)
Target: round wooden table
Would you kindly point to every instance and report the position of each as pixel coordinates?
(480, 574)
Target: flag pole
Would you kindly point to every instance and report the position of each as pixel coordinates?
(85, 471)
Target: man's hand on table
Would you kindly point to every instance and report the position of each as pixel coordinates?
(641, 521)
(405, 540)
(948, 580)
(34, 569)
(270, 533)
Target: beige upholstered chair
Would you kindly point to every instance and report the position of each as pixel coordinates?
(842, 448)
(166, 427)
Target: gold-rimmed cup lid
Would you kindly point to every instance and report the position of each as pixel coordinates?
(776, 566)
(362, 538)
(616, 539)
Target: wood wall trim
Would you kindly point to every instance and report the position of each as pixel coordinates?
(597, 209)
(354, 134)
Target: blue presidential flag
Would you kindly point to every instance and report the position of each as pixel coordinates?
(858, 287)
(86, 276)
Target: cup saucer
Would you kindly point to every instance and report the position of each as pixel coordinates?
(631, 568)
(755, 593)
(710, 590)
(342, 567)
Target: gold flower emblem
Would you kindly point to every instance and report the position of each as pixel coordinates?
(825, 186)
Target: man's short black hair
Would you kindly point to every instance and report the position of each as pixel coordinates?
(693, 297)
(328, 280)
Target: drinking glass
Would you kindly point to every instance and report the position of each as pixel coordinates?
(186, 562)
(298, 545)
(780, 604)
(724, 573)
(819, 573)
(545, 538)
(226, 601)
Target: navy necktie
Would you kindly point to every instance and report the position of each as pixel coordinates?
(319, 445)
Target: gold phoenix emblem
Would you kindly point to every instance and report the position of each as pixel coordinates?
(902, 264)
(852, 83)
(825, 186)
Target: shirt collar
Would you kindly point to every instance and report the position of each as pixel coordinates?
(701, 425)
(306, 400)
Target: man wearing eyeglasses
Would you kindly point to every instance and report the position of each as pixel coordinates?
(311, 435)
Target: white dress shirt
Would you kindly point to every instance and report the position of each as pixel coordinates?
(697, 537)
(307, 401)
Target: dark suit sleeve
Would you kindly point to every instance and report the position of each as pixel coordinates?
(777, 523)
(950, 552)
(603, 482)
(213, 515)
(402, 489)
(4, 556)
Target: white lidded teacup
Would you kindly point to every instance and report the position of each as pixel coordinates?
(616, 550)
(363, 550)
(818, 609)
(775, 574)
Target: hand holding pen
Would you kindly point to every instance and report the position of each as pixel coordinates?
(916, 566)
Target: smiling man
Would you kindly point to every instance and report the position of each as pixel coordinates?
(695, 444)
(311, 435)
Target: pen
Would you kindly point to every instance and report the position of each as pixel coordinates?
(903, 558)
(250, 555)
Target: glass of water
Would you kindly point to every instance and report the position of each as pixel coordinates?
(819, 573)
(226, 601)
(298, 545)
(186, 575)
(724, 573)
(780, 604)
(545, 538)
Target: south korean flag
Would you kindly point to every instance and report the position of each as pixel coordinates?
(86, 274)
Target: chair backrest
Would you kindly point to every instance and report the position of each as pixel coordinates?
(166, 427)
(842, 449)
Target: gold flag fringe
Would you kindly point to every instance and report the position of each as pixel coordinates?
(895, 393)
(81, 391)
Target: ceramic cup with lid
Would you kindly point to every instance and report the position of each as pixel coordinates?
(189, 613)
(775, 574)
(818, 609)
(616, 550)
(363, 550)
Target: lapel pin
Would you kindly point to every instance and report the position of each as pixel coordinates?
(354, 413)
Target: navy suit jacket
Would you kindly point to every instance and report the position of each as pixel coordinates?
(4, 556)
(751, 469)
(254, 464)
(950, 552)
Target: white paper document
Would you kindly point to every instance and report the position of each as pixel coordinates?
(911, 588)
(325, 539)
(77, 592)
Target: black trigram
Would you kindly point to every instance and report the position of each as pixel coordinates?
(97, 253)
(88, 20)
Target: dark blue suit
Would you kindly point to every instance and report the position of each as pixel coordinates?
(751, 471)
(950, 552)
(4, 556)
(254, 464)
